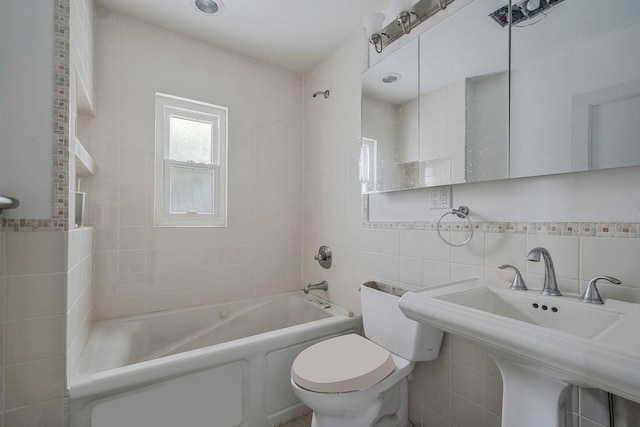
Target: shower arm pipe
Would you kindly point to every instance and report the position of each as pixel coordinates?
(8, 203)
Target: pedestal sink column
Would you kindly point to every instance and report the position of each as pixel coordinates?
(531, 399)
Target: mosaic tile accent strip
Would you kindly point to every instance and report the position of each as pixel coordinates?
(61, 40)
(9, 224)
(585, 229)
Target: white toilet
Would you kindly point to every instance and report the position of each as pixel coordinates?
(351, 381)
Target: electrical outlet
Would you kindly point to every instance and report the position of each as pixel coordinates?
(441, 197)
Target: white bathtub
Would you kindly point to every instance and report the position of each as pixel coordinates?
(218, 366)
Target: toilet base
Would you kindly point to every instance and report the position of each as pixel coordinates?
(390, 409)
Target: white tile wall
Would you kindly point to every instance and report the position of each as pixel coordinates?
(78, 301)
(3, 316)
(141, 268)
(34, 326)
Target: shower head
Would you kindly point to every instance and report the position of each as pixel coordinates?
(324, 93)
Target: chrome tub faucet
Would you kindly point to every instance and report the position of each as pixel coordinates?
(323, 286)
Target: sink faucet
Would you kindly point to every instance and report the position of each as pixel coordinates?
(550, 284)
(591, 294)
(322, 286)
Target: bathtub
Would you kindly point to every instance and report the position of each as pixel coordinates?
(222, 365)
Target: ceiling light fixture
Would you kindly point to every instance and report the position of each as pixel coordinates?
(373, 24)
(391, 78)
(210, 7)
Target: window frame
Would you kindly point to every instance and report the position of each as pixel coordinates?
(167, 106)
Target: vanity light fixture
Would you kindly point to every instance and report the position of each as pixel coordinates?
(407, 17)
(210, 7)
(400, 8)
(373, 25)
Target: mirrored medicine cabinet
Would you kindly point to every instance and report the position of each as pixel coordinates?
(456, 105)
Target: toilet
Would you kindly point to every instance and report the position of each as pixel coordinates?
(355, 381)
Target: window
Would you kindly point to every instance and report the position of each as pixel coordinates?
(190, 167)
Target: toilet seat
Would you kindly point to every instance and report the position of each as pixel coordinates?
(342, 364)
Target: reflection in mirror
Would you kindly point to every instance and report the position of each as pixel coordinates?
(442, 119)
(464, 98)
(389, 151)
(575, 100)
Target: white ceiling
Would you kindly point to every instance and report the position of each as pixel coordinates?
(295, 34)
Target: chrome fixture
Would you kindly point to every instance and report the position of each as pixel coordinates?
(403, 24)
(518, 281)
(373, 25)
(591, 294)
(461, 212)
(324, 256)
(210, 7)
(323, 286)
(324, 93)
(402, 16)
(550, 286)
(8, 203)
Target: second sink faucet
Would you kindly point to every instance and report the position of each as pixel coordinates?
(550, 286)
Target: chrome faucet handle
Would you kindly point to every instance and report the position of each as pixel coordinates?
(591, 294)
(518, 281)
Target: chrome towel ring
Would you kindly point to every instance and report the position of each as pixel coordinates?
(460, 212)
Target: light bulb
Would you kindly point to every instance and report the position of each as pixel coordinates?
(373, 23)
(533, 5)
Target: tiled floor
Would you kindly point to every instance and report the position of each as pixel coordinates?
(303, 421)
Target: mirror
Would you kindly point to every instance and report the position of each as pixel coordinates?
(574, 103)
(443, 119)
(389, 150)
(464, 98)
(575, 94)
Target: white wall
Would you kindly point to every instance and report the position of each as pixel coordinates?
(140, 268)
(26, 117)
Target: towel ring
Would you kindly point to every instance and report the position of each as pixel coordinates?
(461, 212)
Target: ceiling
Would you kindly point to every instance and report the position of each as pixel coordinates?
(295, 34)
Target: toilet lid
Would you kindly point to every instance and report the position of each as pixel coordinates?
(342, 364)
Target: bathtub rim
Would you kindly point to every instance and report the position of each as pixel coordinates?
(85, 384)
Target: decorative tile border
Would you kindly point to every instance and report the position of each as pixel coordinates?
(9, 224)
(61, 40)
(582, 229)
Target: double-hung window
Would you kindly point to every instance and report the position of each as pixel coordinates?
(190, 166)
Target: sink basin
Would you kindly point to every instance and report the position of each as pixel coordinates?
(569, 316)
(556, 340)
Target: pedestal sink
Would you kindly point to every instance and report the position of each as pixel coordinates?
(542, 344)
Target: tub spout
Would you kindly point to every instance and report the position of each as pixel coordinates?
(322, 286)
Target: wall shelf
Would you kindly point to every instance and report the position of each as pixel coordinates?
(85, 165)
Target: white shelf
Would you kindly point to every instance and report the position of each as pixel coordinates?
(85, 165)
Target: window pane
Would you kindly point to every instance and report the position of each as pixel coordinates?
(190, 140)
(191, 190)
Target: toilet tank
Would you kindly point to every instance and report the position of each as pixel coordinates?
(388, 327)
